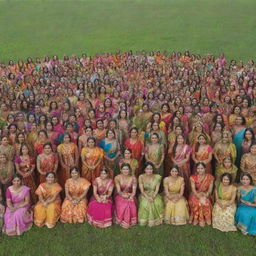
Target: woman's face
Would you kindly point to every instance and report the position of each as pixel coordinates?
(49, 127)
(50, 178)
(66, 139)
(201, 140)
(3, 158)
(16, 182)
(103, 175)
(245, 181)
(180, 140)
(174, 172)
(155, 126)
(74, 174)
(21, 138)
(47, 149)
(227, 163)
(127, 154)
(239, 120)
(111, 135)
(134, 134)
(4, 141)
(149, 170)
(42, 136)
(13, 129)
(253, 149)
(225, 181)
(248, 135)
(123, 114)
(31, 119)
(225, 138)
(200, 169)
(125, 170)
(91, 143)
(24, 150)
(237, 110)
(100, 125)
(164, 109)
(154, 139)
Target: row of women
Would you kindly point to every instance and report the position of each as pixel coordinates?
(151, 209)
(103, 111)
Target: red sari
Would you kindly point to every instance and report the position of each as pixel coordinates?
(201, 212)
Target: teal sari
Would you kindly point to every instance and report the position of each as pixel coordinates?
(238, 140)
(246, 215)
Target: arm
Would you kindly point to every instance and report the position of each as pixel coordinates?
(56, 163)
(83, 195)
(25, 203)
(193, 188)
(209, 158)
(38, 165)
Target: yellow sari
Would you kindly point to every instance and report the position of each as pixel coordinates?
(175, 213)
(224, 219)
(48, 215)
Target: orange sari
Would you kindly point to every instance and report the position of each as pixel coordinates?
(71, 213)
(47, 215)
(67, 152)
(198, 210)
(92, 157)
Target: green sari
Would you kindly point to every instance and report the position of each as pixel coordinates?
(150, 213)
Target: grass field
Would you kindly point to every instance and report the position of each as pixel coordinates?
(38, 28)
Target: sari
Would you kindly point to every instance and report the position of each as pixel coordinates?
(92, 156)
(100, 214)
(202, 156)
(111, 150)
(249, 165)
(71, 213)
(15, 223)
(8, 151)
(184, 168)
(238, 140)
(150, 213)
(246, 215)
(29, 181)
(198, 211)
(125, 209)
(48, 215)
(155, 156)
(175, 213)
(224, 219)
(221, 170)
(67, 152)
(46, 163)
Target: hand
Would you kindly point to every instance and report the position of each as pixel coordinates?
(202, 200)
(150, 199)
(45, 204)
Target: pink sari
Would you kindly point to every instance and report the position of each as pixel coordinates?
(100, 214)
(125, 209)
(15, 223)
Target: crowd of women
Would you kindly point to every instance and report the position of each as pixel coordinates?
(128, 138)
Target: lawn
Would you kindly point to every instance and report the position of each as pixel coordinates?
(43, 27)
(40, 27)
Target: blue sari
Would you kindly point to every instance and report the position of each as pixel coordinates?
(246, 215)
(238, 140)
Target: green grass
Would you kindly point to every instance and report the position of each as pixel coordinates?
(82, 239)
(43, 27)
(40, 27)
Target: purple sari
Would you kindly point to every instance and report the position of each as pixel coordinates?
(15, 223)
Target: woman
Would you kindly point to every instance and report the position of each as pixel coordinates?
(151, 207)
(224, 148)
(181, 157)
(68, 157)
(131, 161)
(223, 214)
(82, 140)
(202, 152)
(99, 212)
(227, 166)
(42, 138)
(18, 218)
(100, 132)
(125, 205)
(111, 149)
(136, 145)
(248, 140)
(6, 148)
(154, 153)
(75, 204)
(46, 162)
(92, 160)
(246, 210)
(199, 199)
(25, 166)
(6, 172)
(248, 163)
(176, 210)
(48, 208)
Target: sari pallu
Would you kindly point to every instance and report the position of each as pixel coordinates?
(100, 214)
(125, 209)
(246, 215)
(150, 213)
(137, 149)
(111, 149)
(28, 181)
(238, 140)
(47, 215)
(198, 211)
(92, 157)
(224, 219)
(71, 213)
(176, 213)
(15, 223)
